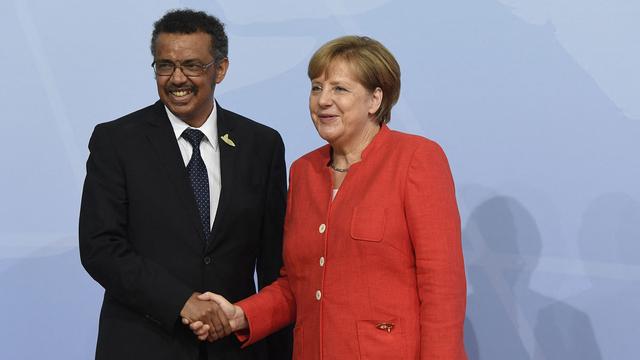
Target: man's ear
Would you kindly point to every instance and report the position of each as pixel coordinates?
(221, 70)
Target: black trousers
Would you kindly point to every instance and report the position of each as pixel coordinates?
(203, 351)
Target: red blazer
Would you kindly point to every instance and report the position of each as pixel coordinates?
(377, 273)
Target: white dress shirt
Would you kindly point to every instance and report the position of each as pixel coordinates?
(208, 150)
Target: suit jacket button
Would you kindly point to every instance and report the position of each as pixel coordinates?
(207, 260)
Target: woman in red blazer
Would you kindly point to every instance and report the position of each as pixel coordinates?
(373, 265)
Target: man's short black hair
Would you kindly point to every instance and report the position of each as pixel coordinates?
(187, 21)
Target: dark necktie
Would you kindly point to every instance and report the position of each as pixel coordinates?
(198, 176)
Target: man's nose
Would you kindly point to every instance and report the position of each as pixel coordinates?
(178, 76)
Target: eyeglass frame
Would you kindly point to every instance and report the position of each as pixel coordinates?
(177, 65)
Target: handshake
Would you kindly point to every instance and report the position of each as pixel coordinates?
(211, 317)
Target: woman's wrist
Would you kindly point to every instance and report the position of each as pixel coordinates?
(240, 321)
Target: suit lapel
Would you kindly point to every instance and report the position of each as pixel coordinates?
(163, 140)
(228, 159)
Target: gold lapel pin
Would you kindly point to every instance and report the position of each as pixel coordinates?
(226, 139)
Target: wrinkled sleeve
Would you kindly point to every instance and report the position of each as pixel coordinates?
(269, 260)
(434, 227)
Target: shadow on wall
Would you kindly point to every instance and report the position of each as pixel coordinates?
(609, 244)
(505, 318)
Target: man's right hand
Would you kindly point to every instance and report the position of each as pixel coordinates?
(234, 313)
(209, 314)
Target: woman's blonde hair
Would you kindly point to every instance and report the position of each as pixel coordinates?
(374, 67)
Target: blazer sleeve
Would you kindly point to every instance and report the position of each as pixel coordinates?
(274, 307)
(269, 261)
(271, 309)
(434, 227)
(107, 253)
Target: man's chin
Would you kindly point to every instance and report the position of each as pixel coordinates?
(182, 111)
(177, 105)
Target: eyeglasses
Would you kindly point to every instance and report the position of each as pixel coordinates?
(191, 69)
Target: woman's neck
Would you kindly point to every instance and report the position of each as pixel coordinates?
(346, 155)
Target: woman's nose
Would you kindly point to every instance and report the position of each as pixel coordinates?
(324, 98)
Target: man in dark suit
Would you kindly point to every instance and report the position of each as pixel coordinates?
(182, 197)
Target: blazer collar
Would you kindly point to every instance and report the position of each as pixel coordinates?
(377, 141)
(158, 116)
(164, 141)
(225, 124)
(162, 138)
(228, 160)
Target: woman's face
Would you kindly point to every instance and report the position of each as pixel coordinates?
(341, 108)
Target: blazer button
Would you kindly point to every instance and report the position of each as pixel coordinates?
(385, 327)
(318, 295)
(322, 228)
(207, 260)
(321, 260)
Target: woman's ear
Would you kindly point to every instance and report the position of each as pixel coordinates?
(376, 100)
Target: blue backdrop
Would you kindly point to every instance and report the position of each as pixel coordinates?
(536, 104)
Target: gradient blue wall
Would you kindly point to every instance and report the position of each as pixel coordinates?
(537, 104)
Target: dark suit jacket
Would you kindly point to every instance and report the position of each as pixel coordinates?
(141, 239)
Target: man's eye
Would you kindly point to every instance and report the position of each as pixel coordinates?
(164, 66)
(192, 67)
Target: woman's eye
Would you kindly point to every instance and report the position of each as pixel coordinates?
(340, 89)
(316, 88)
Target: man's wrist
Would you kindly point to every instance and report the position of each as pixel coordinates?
(184, 312)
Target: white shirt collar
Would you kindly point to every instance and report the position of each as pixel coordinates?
(209, 128)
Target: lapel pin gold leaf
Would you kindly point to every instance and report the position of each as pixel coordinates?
(226, 139)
